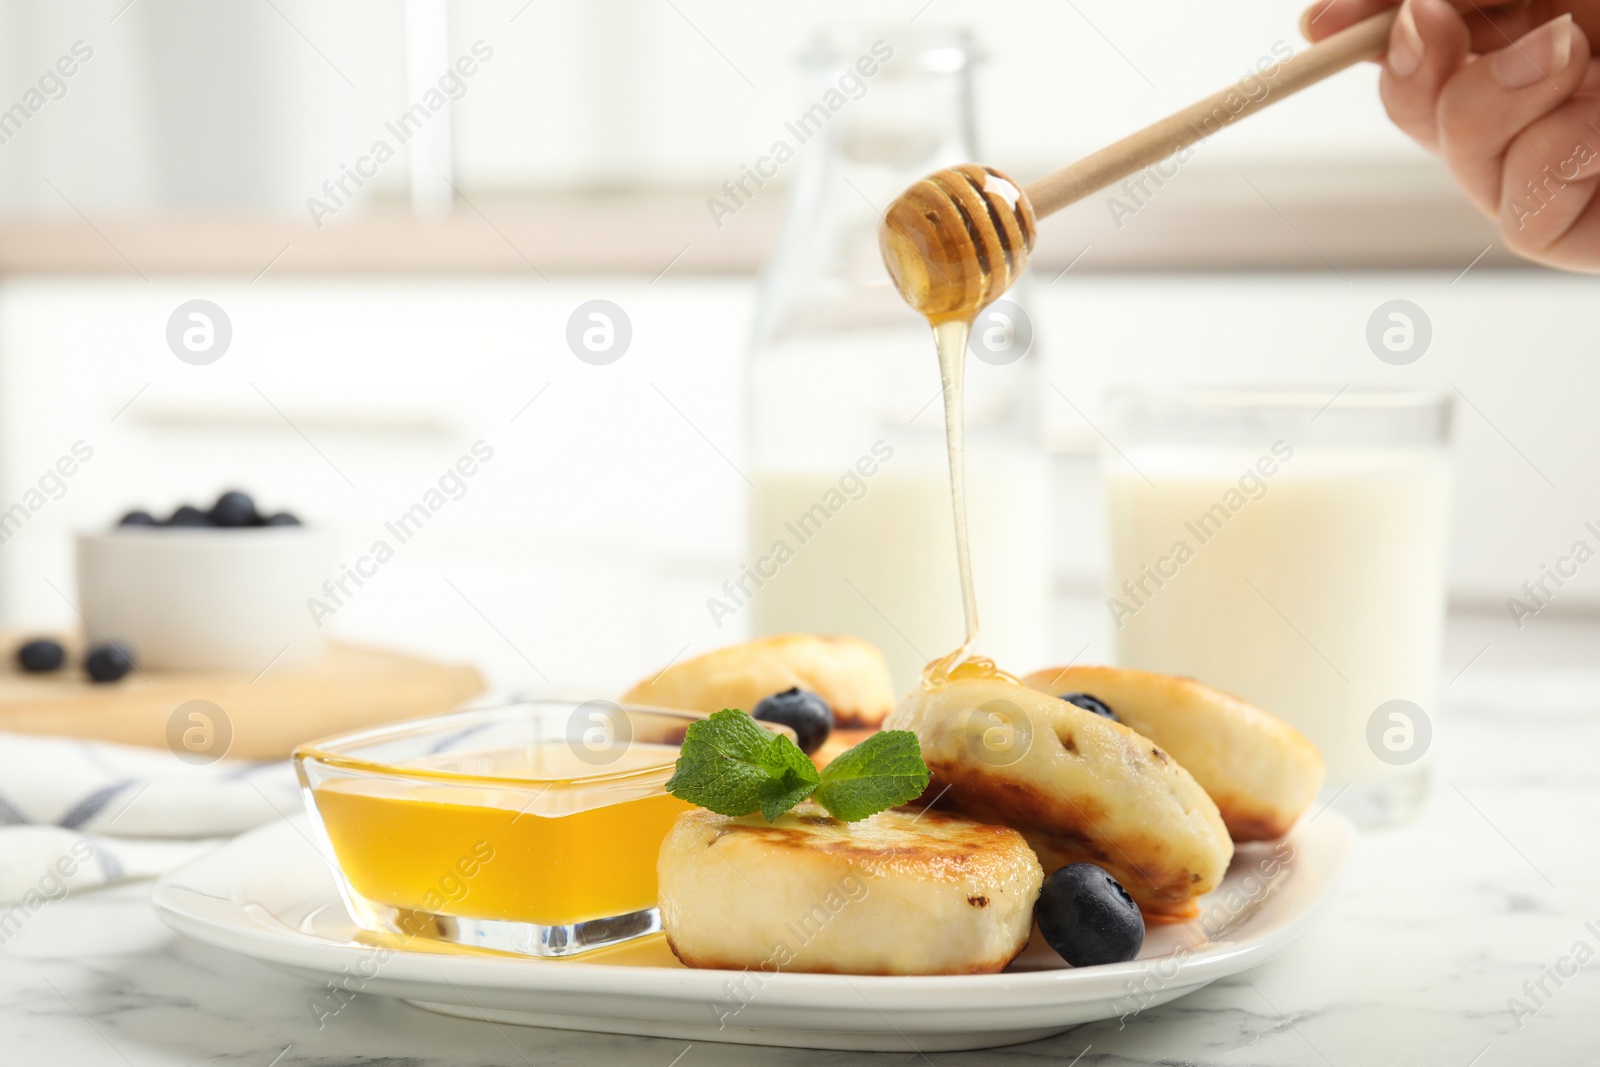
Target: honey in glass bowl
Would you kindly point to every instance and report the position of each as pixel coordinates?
(531, 828)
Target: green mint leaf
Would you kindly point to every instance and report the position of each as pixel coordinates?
(884, 770)
(732, 765)
(720, 764)
(794, 777)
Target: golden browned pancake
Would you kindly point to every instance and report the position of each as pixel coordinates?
(900, 892)
(1261, 772)
(1079, 787)
(847, 672)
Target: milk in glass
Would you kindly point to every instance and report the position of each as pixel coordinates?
(1296, 559)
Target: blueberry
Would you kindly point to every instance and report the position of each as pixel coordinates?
(138, 518)
(234, 508)
(189, 515)
(1087, 917)
(107, 663)
(41, 655)
(282, 518)
(807, 714)
(1089, 703)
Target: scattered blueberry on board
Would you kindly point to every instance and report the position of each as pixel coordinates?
(232, 511)
(1087, 917)
(107, 663)
(807, 714)
(41, 655)
(1091, 703)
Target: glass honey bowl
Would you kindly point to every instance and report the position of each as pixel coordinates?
(531, 828)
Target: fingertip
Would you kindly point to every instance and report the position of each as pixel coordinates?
(1437, 17)
(1544, 54)
(1327, 17)
(1434, 28)
(1428, 36)
(1425, 52)
(1308, 19)
(1405, 43)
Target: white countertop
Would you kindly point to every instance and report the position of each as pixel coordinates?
(1438, 925)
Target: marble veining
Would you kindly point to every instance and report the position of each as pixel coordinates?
(1438, 927)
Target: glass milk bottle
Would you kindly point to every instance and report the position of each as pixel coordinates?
(850, 527)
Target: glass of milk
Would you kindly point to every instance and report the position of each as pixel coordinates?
(1291, 547)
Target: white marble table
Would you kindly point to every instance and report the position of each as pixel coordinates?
(1438, 926)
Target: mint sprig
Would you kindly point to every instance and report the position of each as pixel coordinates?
(732, 765)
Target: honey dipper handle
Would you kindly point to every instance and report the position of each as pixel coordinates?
(1203, 118)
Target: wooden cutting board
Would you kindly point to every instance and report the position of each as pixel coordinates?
(348, 688)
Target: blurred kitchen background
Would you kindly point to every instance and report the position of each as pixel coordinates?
(428, 309)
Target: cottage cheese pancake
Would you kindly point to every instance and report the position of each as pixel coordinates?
(900, 892)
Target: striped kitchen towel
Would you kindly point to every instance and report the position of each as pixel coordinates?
(77, 814)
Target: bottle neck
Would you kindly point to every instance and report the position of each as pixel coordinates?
(877, 115)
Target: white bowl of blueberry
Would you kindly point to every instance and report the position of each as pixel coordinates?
(224, 588)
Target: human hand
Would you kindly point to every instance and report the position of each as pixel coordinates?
(1508, 96)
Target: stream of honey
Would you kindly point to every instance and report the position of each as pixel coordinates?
(950, 339)
(952, 243)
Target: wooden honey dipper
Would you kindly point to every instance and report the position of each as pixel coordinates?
(960, 237)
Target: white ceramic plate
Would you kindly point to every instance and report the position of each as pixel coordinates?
(270, 895)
